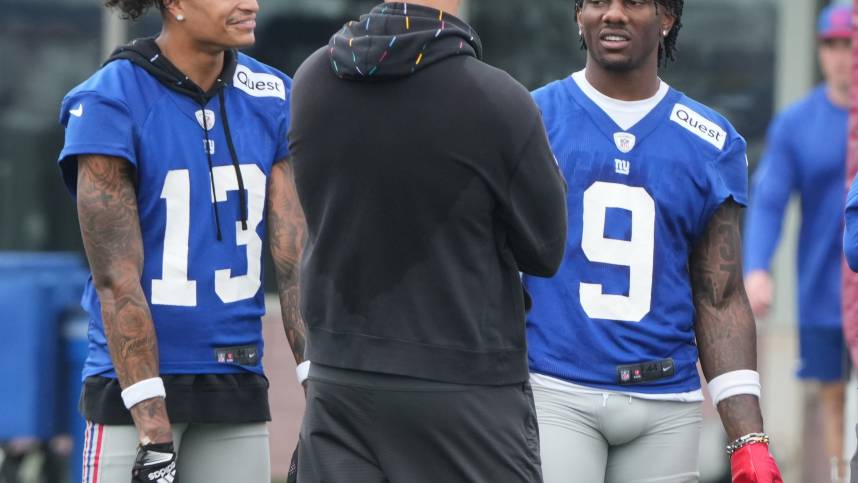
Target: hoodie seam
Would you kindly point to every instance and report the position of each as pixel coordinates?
(520, 152)
(151, 109)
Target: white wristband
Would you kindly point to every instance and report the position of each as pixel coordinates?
(143, 390)
(302, 371)
(734, 383)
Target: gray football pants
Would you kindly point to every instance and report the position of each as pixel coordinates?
(207, 453)
(611, 438)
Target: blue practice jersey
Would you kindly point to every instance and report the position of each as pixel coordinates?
(205, 294)
(805, 155)
(638, 200)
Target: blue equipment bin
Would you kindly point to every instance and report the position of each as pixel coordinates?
(36, 289)
(76, 347)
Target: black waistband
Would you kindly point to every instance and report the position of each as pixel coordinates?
(380, 380)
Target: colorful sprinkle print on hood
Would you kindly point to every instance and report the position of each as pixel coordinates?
(398, 39)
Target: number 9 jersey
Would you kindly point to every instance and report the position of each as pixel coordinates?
(201, 162)
(619, 315)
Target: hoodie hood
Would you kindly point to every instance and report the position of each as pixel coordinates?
(397, 39)
(145, 54)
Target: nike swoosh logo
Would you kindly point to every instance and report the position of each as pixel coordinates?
(78, 111)
(154, 458)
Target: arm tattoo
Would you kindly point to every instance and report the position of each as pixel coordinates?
(725, 329)
(151, 419)
(286, 231)
(110, 228)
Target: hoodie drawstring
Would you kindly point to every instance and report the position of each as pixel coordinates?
(242, 196)
(211, 171)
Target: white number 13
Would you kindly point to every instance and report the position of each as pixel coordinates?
(636, 253)
(174, 288)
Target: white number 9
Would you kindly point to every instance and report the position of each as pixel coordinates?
(637, 253)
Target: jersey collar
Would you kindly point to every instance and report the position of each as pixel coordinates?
(607, 125)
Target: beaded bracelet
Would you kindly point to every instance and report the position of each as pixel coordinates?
(745, 440)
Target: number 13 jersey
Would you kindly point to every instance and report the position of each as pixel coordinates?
(204, 293)
(619, 315)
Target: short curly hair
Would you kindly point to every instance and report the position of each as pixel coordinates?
(666, 50)
(134, 8)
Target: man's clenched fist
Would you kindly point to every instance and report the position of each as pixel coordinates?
(155, 463)
(754, 464)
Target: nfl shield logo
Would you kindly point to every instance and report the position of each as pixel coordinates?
(625, 141)
(625, 375)
(206, 118)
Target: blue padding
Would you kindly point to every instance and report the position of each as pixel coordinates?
(36, 290)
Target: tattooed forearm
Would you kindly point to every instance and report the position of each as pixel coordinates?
(725, 328)
(726, 334)
(150, 417)
(292, 321)
(107, 208)
(286, 230)
(110, 228)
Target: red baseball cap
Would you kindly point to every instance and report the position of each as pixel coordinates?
(835, 22)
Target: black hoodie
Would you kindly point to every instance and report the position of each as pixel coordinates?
(428, 183)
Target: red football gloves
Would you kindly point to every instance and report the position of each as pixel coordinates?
(753, 463)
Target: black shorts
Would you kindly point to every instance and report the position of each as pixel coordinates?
(365, 428)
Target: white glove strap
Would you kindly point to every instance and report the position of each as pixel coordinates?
(143, 390)
(302, 371)
(734, 383)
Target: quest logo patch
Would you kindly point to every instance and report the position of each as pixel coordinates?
(258, 84)
(699, 125)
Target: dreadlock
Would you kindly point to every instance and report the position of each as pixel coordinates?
(131, 9)
(667, 48)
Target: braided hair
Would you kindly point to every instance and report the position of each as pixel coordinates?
(131, 9)
(667, 48)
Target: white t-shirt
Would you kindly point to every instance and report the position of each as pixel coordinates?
(625, 113)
